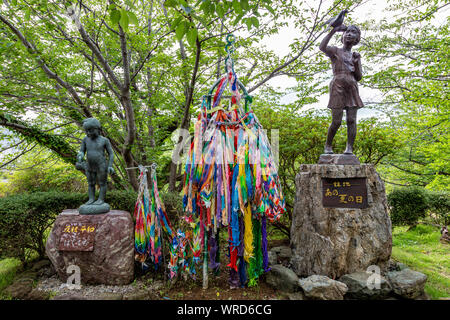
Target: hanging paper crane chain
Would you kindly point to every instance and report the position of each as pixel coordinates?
(231, 178)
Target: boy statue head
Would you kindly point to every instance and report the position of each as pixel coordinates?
(95, 167)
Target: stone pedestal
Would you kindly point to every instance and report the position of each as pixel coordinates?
(94, 209)
(101, 245)
(338, 159)
(331, 238)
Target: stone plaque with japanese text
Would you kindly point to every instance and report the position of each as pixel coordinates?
(77, 236)
(344, 193)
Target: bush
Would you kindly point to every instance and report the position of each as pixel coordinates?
(439, 205)
(25, 219)
(121, 200)
(407, 205)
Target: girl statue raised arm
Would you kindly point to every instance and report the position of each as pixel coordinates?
(344, 93)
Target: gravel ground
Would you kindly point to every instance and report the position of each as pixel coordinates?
(56, 286)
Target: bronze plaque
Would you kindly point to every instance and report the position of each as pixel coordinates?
(344, 193)
(77, 236)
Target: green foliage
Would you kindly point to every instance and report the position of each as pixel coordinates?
(121, 200)
(419, 248)
(41, 170)
(407, 205)
(173, 203)
(302, 137)
(8, 269)
(410, 204)
(33, 133)
(25, 219)
(376, 140)
(247, 12)
(410, 65)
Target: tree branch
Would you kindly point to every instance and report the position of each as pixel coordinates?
(31, 133)
(45, 67)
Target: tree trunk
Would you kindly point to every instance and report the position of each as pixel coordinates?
(185, 122)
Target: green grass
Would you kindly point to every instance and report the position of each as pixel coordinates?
(421, 250)
(8, 269)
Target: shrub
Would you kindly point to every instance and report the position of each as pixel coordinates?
(439, 204)
(25, 218)
(407, 205)
(121, 199)
(173, 202)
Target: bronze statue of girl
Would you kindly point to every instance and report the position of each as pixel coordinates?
(344, 93)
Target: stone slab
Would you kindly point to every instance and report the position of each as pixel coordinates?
(407, 283)
(340, 159)
(112, 259)
(318, 287)
(361, 286)
(282, 278)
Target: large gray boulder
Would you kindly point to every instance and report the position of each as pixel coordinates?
(335, 241)
(272, 258)
(318, 287)
(361, 287)
(282, 278)
(280, 255)
(407, 283)
(111, 260)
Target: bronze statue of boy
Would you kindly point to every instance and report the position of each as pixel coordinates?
(96, 168)
(344, 93)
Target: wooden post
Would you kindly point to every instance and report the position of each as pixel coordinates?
(205, 259)
(163, 258)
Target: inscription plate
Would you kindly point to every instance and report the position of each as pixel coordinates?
(77, 236)
(344, 193)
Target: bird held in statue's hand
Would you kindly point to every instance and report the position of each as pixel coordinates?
(337, 21)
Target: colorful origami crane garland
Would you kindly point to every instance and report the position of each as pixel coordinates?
(231, 181)
(151, 221)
